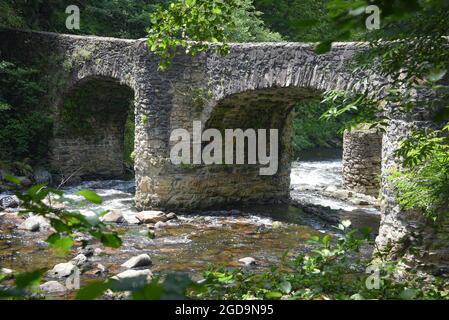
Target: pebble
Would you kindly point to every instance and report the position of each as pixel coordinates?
(248, 261)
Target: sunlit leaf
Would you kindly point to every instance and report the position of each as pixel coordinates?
(273, 295)
(92, 290)
(12, 179)
(28, 279)
(111, 240)
(323, 47)
(62, 245)
(90, 196)
(286, 287)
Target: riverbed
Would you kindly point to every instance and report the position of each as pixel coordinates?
(196, 240)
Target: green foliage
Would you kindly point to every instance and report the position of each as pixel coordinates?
(25, 124)
(94, 104)
(192, 24)
(24, 285)
(297, 20)
(354, 109)
(128, 147)
(9, 17)
(170, 286)
(311, 131)
(248, 26)
(424, 182)
(118, 18)
(331, 270)
(93, 290)
(90, 196)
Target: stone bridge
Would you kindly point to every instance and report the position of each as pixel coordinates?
(255, 86)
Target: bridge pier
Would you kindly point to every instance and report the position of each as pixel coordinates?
(362, 157)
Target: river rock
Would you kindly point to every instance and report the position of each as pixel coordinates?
(248, 261)
(172, 216)
(10, 218)
(130, 280)
(147, 217)
(87, 251)
(359, 202)
(42, 176)
(9, 202)
(142, 260)
(100, 269)
(52, 287)
(331, 188)
(277, 225)
(62, 270)
(91, 217)
(111, 295)
(342, 194)
(114, 216)
(35, 224)
(79, 260)
(160, 225)
(6, 271)
(97, 270)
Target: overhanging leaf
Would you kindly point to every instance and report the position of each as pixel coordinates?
(90, 196)
(92, 290)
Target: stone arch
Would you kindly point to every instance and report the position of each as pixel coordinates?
(205, 186)
(89, 128)
(269, 108)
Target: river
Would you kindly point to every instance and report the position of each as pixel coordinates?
(196, 240)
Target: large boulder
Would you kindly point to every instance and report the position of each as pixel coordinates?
(35, 224)
(131, 280)
(142, 260)
(151, 217)
(115, 216)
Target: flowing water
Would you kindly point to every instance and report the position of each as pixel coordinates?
(196, 240)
